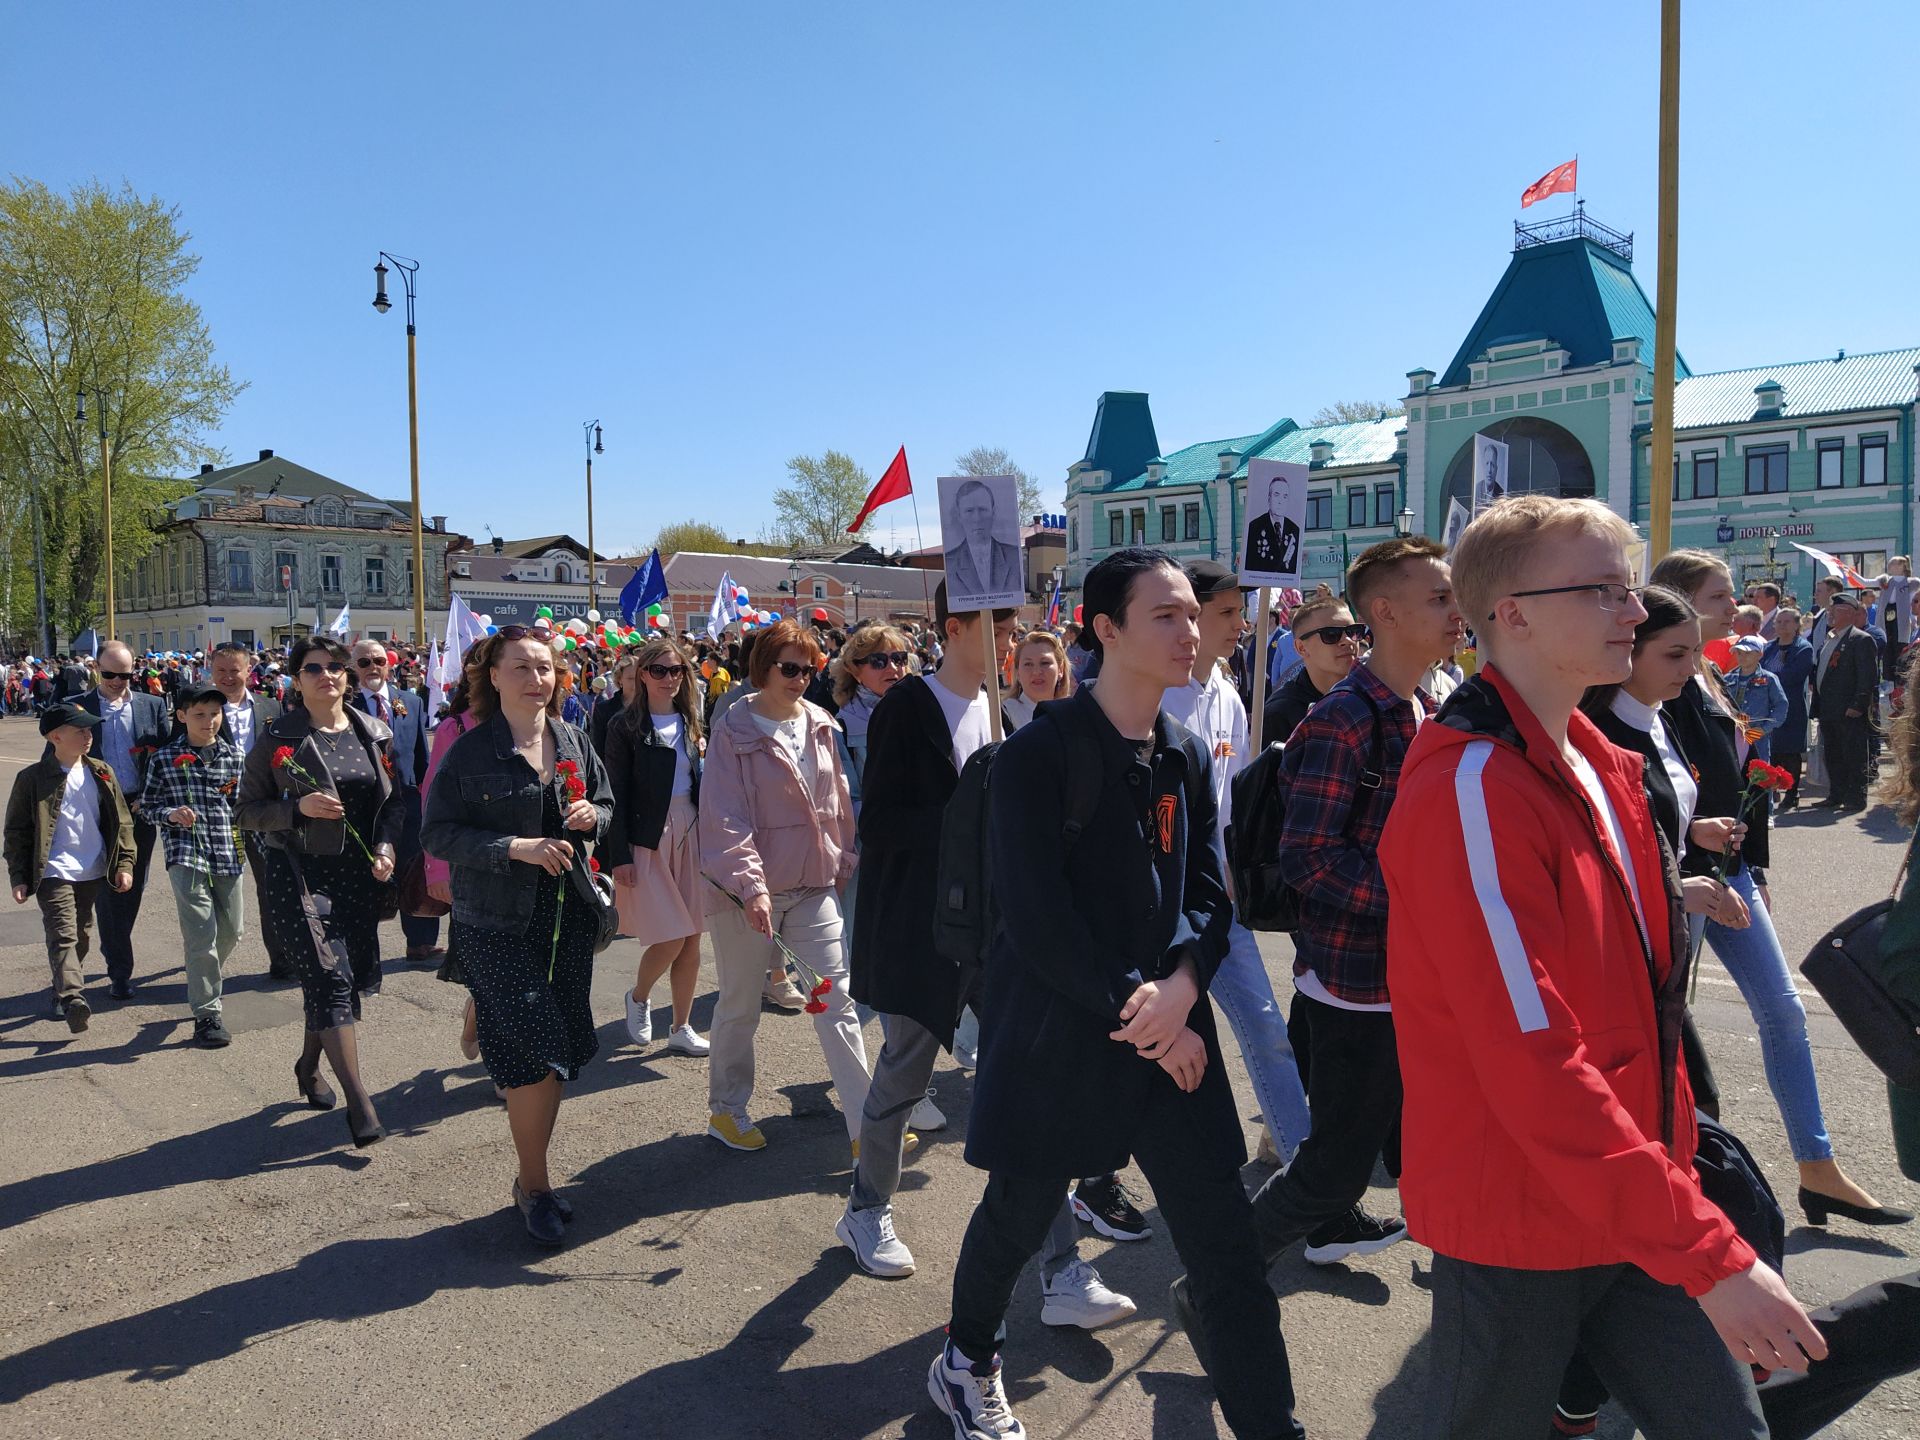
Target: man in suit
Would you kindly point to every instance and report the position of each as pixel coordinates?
(979, 565)
(404, 715)
(1273, 539)
(1846, 682)
(133, 726)
(243, 721)
(73, 679)
(1824, 589)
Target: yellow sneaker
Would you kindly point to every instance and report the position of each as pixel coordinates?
(907, 1142)
(734, 1133)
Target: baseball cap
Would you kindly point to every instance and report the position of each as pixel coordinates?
(1750, 644)
(1844, 597)
(195, 694)
(66, 713)
(1210, 578)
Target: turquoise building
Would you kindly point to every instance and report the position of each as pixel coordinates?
(1559, 365)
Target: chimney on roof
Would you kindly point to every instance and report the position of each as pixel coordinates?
(1229, 462)
(266, 454)
(1770, 395)
(439, 524)
(499, 546)
(206, 467)
(1321, 451)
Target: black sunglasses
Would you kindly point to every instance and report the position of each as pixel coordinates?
(881, 659)
(792, 669)
(367, 662)
(666, 672)
(513, 632)
(1334, 634)
(332, 667)
(116, 674)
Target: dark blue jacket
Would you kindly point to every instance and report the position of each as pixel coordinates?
(484, 796)
(1082, 927)
(1793, 664)
(151, 730)
(409, 727)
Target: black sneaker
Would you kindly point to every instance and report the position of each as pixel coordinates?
(210, 1033)
(120, 989)
(77, 1012)
(1105, 1205)
(1354, 1233)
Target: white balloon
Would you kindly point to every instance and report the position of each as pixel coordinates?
(486, 619)
(593, 617)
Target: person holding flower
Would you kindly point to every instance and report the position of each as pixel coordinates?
(317, 790)
(513, 807)
(777, 839)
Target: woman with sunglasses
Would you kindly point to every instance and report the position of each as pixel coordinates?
(871, 663)
(1704, 722)
(777, 837)
(655, 751)
(318, 769)
(513, 809)
(1041, 673)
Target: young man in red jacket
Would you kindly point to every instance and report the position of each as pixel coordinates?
(1539, 983)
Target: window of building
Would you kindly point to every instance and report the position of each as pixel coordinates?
(1767, 471)
(1873, 467)
(1867, 562)
(1706, 476)
(1137, 526)
(1073, 534)
(1117, 528)
(1190, 514)
(376, 575)
(286, 570)
(239, 570)
(242, 637)
(1829, 471)
(1383, 498)
(819, 589)
(1356, 507)
(563, 574)
(1320, 510)
(1168, 525)
(330, 574)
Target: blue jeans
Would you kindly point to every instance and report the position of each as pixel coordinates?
(1758, 966)
(1244, 992)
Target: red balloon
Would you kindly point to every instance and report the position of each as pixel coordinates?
(820, 615)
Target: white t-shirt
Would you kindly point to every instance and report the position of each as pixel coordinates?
(671, 730)
(791, 736)
(967, 720)
(1589, 779)
(1212, 710)
(79, 850)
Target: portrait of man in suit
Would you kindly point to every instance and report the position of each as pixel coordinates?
(983, 568)
(1273, 539)
(1490, 472)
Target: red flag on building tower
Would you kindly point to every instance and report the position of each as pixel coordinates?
(896, 484)
(1562, 179)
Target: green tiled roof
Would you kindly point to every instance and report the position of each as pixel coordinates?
(1360, 442)
(1812, 387)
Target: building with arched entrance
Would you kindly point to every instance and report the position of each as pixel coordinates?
(1558, 365)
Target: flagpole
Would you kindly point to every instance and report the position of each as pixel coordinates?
(1666, 286)
(919, 545)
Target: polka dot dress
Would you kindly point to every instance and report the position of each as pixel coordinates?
(532, 1027)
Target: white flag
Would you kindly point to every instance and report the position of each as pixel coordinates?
(1834, 566)
(463, 629)
(1457, 519)
(342, 623)
(726, 607)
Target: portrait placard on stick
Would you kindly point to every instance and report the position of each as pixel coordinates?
(1276, 520)
(980, 528)
(1489, 472)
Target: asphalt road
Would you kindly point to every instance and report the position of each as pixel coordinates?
(185, 1251)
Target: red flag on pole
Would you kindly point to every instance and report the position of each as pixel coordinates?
(1562, 179)
(896, 484)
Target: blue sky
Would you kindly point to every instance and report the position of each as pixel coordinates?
(735, 232)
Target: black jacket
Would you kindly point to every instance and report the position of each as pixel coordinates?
(904, 788)
(604, 714)
(150, 731)
(1660, 793)
(640, 770)
(1082, 927)
(1288, 706)
(1707, 739)
(269, 800)
(1850, 680)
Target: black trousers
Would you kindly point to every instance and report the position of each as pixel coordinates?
(279, 962)
(1353, 1092)
(116, 913)
(1847, 750)
(1201, 1199)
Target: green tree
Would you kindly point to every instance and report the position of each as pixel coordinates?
(819, 500)
(700, 535)
(994, 460)
(92, 296)
(1345, 412)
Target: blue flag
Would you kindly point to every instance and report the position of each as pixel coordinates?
(647, 587)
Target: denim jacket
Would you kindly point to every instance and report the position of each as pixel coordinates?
(483, 798)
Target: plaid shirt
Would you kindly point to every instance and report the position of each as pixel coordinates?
(207, 785)
(1329, 848)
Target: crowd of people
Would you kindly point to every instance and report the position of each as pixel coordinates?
(1513, 807)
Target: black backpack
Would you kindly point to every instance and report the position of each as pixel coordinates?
(1732, 1179)
(1261, 898)
(964, 915)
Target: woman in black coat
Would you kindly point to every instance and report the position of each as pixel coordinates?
(316, 790)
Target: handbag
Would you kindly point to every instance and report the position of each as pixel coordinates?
(606, 911)
(414, 899)
(1856, 967)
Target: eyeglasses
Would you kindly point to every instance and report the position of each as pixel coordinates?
(1335, 634)
(792, 669)
(368, 662)
(666, 672)
(881, 659)
(315, 668)
(116, 674)
(513, 632)
(1611, 597)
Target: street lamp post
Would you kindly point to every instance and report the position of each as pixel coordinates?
(591, 428)
(1403, 522)
(106, 489)
(854, 592)
(408, 270)
(793, 583)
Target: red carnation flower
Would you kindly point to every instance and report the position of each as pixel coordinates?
(816, 1007)
(182, 760)
(282, 756)
(593, 864)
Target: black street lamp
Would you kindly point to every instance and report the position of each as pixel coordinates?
(1403, 522)
(591, 429)
(408, 270)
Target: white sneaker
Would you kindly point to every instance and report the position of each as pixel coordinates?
(685, 1040)
(975, 1400)
(639, 1020)
(869, 1235)
(1076, 1296)
(927, 1115)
